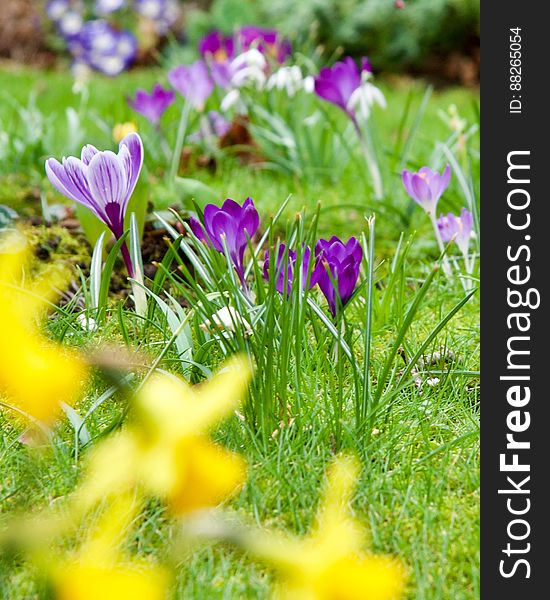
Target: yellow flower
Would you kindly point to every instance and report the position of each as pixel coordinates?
(166, 451)
(330, 563)
(36, 374)
(121, 130)
(88, 582)
(99, 572)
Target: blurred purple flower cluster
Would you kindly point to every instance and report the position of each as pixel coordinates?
(218, 48)
(94, 37)
(335, 270)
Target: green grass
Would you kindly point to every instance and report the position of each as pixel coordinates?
(418, 492)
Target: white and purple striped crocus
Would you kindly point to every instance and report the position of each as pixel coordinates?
(337, 270)
(152, 105)
(456, 228)
(285, 268)
(193, 82)
(229, 224)
(426, 187)
(101, 181)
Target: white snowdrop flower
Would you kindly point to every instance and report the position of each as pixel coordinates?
(227, 319)
(250, 58)
(287, 78)
(230, 100)
(309, 84)
(249, 68)
(364, 98)
(249, 75)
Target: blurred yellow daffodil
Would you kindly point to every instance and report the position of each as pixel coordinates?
(166, 451)
(330, 564)
(36, 374)
(100, 573)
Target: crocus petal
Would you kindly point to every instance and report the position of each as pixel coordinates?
(107, 179)
(421, 190)
(221, 73)
(192, 82)
(326, 285)
(197, 229)
(115, 217)
(467, 220)
(223, 225)
(337, 263)
(210, 210)
(87, 153)
(232, 208)
(329, 92)
(70, 180)
(347, 76)
(347, 279)
(132, 160)
(354, 249)
(406, 177)
(444, 180)
(250, 220)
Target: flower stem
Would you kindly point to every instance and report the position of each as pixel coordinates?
(445, 261)
(370, 159)
(163, 143)
(127, 259)
(180, 137)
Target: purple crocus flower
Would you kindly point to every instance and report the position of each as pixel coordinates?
(193, 82)
(214, 126)
(285, 270)
(457, 228)
(152, 105)
(217, 47)
(220, 125)
(231, 223)
(343, 262)
(336, 84)
(426, 187)
(221, 73)
(102, 181)
(267, 41)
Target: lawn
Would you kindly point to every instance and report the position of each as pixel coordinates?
(393, 380)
